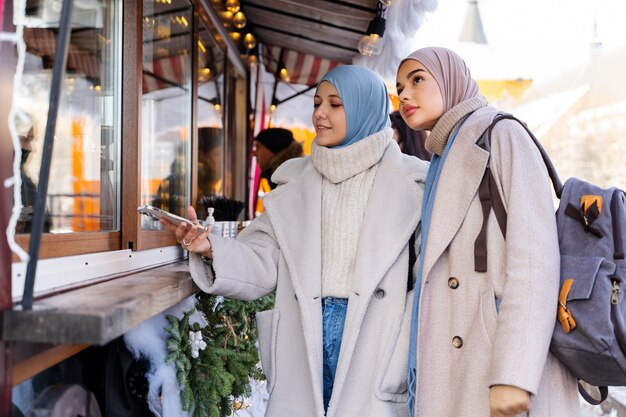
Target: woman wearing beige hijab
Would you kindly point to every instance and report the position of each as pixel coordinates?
(480, 333)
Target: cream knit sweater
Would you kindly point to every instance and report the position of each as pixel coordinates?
(348, 174)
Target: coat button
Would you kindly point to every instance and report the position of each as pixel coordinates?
(380, 293)
(453, 283)
(457, 342)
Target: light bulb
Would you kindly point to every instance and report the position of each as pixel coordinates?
(233, 6)
(371, 45)
(236, 36)
(239, 20)
(227, 18)
(249, 41)
(253, 61)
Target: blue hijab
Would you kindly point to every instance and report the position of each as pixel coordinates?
(365, 101)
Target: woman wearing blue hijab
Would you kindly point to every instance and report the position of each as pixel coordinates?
(334, 245)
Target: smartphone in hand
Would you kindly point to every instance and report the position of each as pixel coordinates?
(157, 213)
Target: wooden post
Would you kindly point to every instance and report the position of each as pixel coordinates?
(7, 71)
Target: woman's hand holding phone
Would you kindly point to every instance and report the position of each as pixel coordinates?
(189, 235)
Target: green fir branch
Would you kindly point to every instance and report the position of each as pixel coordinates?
(223, 370)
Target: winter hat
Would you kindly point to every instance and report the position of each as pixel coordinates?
(275, 139)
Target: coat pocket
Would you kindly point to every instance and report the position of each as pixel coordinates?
(267, 328)
(488, 313)
(393, 384)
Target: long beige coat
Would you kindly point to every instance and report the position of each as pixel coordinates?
(282, 250)
(466, 344)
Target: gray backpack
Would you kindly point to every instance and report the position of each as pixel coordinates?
(590, 332)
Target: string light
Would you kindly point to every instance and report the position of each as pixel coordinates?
(249, 41)
(233, 6)
(239, 20)
(372, 42)
(236, 36)
(227, 18)
(201, 47)
(253, 61)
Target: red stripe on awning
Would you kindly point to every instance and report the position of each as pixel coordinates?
(166, 73)
(303, 68)
(314, 74)
(297, 71)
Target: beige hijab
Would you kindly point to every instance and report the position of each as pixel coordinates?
(450, 72)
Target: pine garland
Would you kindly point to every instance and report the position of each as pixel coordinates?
(212, 382)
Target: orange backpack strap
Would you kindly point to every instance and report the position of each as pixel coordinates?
(563, 314)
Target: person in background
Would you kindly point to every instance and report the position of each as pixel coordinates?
(172, 194)
(28, 188)
(273, 146)
(335, 244)
(210, 161)
(481, 331)
(411, 142)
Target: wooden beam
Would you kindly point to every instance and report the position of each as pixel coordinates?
(319, 10)
(307, 46)
(254, 11)
(131, 124)
(365, 5)
(8, 59)
(69, 244)
(304, 28)
(99, 313)
(332, 42)
(30, 367)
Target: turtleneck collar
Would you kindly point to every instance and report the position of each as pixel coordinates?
(438, 138)
(339, 164)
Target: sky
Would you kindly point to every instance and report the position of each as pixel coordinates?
(536, 38)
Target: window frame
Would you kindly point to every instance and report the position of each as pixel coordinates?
(130, 234)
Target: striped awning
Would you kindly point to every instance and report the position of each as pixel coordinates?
(303, 68)
(82, 58)
(42, 42)
(166, 72)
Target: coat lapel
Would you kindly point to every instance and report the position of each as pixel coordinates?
(391, 216)
(294, 210)
(295, 213)
(460, 177)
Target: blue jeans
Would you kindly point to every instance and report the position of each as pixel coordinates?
(333, 319)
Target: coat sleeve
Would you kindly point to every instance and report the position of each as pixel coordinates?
(244, 268)
(528, 304)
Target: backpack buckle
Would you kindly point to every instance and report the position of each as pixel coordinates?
(615, 292)
(564, 315)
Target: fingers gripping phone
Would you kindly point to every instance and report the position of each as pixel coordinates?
(157, 213)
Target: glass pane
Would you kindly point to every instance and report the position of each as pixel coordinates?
(166, 106)
(210, 116)
(84, 185)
